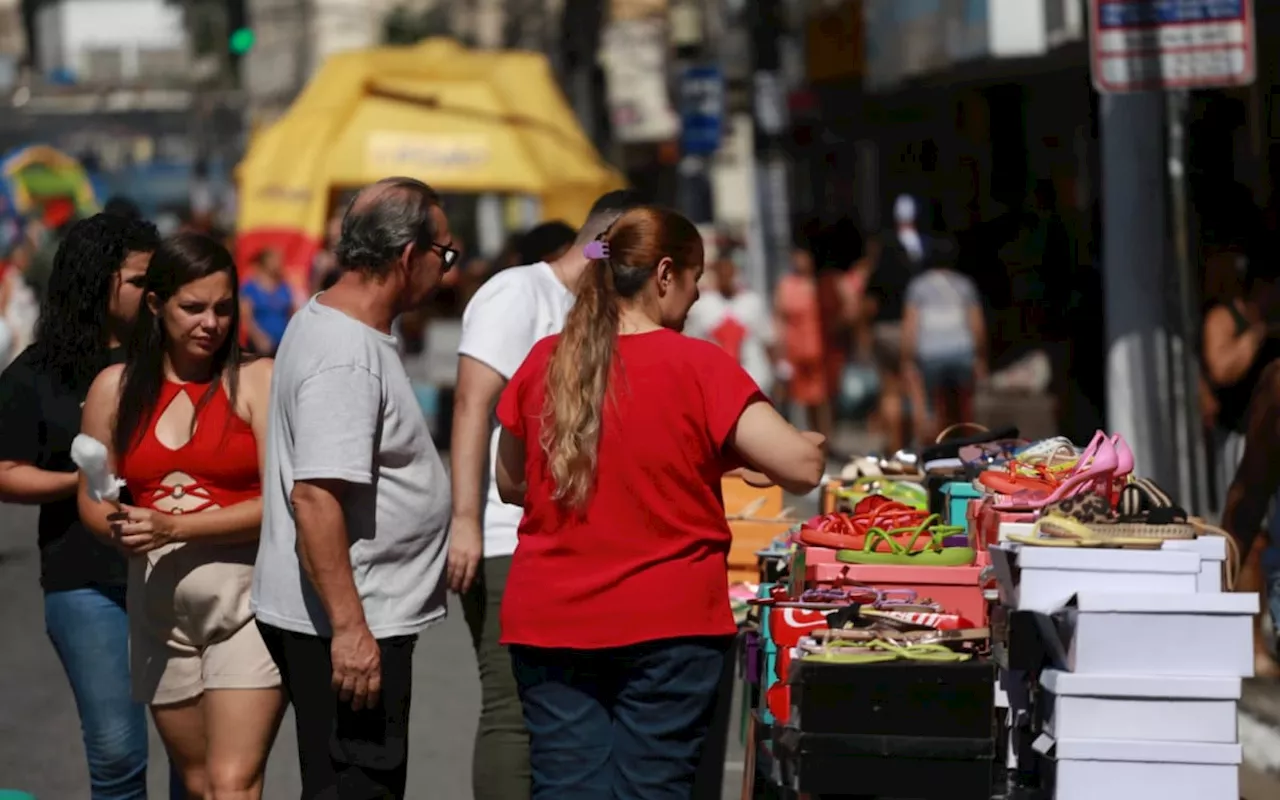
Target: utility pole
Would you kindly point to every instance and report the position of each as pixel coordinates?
(1135, 262)
(772, 183)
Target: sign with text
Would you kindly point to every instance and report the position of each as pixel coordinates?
(701, 110)
(1144, 45)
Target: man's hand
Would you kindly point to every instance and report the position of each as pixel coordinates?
(357, 667)
(466, 548)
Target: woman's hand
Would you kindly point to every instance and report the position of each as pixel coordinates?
(141, 530)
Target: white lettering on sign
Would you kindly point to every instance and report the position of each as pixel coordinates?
(390, 150)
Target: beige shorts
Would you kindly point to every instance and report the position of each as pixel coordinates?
(190, 628)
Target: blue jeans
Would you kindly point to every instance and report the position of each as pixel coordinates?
(1271, 565)
(626, 723)
(90, 632)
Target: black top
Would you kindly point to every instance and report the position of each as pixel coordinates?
(1233, 400)
(39, 417)
(893, 273)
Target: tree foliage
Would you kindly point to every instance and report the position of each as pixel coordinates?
(406, 26)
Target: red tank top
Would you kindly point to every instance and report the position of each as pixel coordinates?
(221, 458)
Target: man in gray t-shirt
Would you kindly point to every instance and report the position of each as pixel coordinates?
(356, 501)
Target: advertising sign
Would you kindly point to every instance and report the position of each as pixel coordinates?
(1144, 45)
(701, 110)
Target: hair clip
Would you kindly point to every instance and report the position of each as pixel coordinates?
(596, 250)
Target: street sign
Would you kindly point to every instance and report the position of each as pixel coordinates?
(1144, 45)
(701, 110)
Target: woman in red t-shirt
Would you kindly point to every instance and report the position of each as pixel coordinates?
(616, 434)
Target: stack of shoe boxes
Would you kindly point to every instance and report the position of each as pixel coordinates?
(1143, 657)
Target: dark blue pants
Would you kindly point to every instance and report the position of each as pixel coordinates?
(626, 723)
(90, 632)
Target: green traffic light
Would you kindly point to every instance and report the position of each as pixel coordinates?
(241, 41)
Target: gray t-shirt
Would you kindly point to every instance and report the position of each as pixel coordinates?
(342, 408)
(942, 299)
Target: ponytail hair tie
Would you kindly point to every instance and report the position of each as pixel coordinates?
(596, 250)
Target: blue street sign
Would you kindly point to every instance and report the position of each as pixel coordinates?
(701, 110)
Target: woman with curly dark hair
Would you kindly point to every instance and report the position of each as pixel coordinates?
(93, 294)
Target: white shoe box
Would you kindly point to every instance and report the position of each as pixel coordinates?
(1195, 634)
(1213, 555)
(1131, 707)
(1105, 769)
(1044, 579)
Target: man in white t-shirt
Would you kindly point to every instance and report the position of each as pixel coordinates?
(507, 316)
(737, 318)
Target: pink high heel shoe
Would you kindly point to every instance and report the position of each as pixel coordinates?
(1096, 470)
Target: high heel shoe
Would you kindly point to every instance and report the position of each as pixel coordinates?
(1097, 473)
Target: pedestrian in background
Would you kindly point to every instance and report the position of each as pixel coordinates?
(736, 317)
(803, 367)
(944, 345)
(93, 295)
(266, 302)
(511, 312)
(615, 436)
(356, 501)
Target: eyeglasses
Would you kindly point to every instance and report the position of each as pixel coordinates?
(448, 254)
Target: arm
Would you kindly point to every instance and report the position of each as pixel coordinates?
(337, 414)
(1228, 357)
(511, 478)
(20, 417)
(30, 485)
(497, 332)
(770, 445)
(323, 550)
(97, 419)
(479, 386)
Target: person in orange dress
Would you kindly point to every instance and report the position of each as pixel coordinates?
(799, 326)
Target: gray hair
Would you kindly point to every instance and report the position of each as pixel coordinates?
(384, 219)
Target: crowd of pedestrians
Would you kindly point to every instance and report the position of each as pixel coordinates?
(287, 528)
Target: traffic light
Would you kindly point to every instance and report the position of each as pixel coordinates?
(240, 34)
(240, 41)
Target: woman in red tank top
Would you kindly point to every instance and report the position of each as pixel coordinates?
(185, 423)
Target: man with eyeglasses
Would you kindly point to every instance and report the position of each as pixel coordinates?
(356, 501)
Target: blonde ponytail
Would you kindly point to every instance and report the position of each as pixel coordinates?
(577, 381)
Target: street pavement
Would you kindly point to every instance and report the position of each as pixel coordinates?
(40, 749)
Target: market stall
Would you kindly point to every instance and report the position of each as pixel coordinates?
(42, 182)
(464, 121)
(997, 618)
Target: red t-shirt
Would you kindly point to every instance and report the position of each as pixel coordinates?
(646, 559)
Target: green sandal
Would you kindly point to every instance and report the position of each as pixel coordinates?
(934, 555)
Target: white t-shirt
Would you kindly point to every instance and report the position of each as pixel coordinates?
(741, 325)
(502, 323)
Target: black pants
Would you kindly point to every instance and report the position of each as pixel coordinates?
(346, 754)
